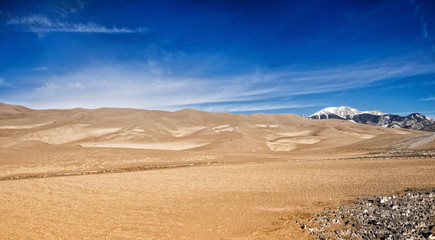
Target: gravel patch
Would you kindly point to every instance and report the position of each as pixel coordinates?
(410, 215)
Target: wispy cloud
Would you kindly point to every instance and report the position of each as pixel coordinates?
(40, 69)
(66, 7)
(4, 83)
(430, 114)
(428, 99)
(422, 21)
(329, 79)
(149, 86)
(402, 85)
(43, 24)
(429, 83)
(246, 106)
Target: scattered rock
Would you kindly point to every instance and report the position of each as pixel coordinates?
(410, 215)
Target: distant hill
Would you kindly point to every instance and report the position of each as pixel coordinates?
(187, 129)
(414, 121)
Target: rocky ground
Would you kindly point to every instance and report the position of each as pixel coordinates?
(410, 215)
(393, 154)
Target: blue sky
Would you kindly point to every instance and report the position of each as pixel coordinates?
(231, 56)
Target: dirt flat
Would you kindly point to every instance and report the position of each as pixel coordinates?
(244, 201)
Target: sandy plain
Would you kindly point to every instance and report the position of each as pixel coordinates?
(251, 177)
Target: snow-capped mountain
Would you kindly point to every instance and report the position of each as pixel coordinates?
(415, 121)
(342, 112)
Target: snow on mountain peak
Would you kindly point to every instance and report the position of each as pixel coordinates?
(375, 112)
(344, 111)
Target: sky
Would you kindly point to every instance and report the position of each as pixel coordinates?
(219, 56)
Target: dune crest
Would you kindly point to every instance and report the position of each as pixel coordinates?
(185, 129)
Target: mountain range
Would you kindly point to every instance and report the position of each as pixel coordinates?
(414, 121)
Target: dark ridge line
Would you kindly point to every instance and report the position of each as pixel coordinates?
(106, 171)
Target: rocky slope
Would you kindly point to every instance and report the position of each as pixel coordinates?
(414, 121)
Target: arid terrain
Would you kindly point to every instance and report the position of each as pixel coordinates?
(136, 174)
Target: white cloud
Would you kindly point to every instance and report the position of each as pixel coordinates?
(42, 24)
(149, 86)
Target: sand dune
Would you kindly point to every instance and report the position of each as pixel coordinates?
(30, 136)
(138, 174)
(417, 141)
(174, 145)
(69, 133)
(154, 129)
(223, 128)
(184, 131)
(26, 126)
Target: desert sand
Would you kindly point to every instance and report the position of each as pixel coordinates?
(136, 174)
